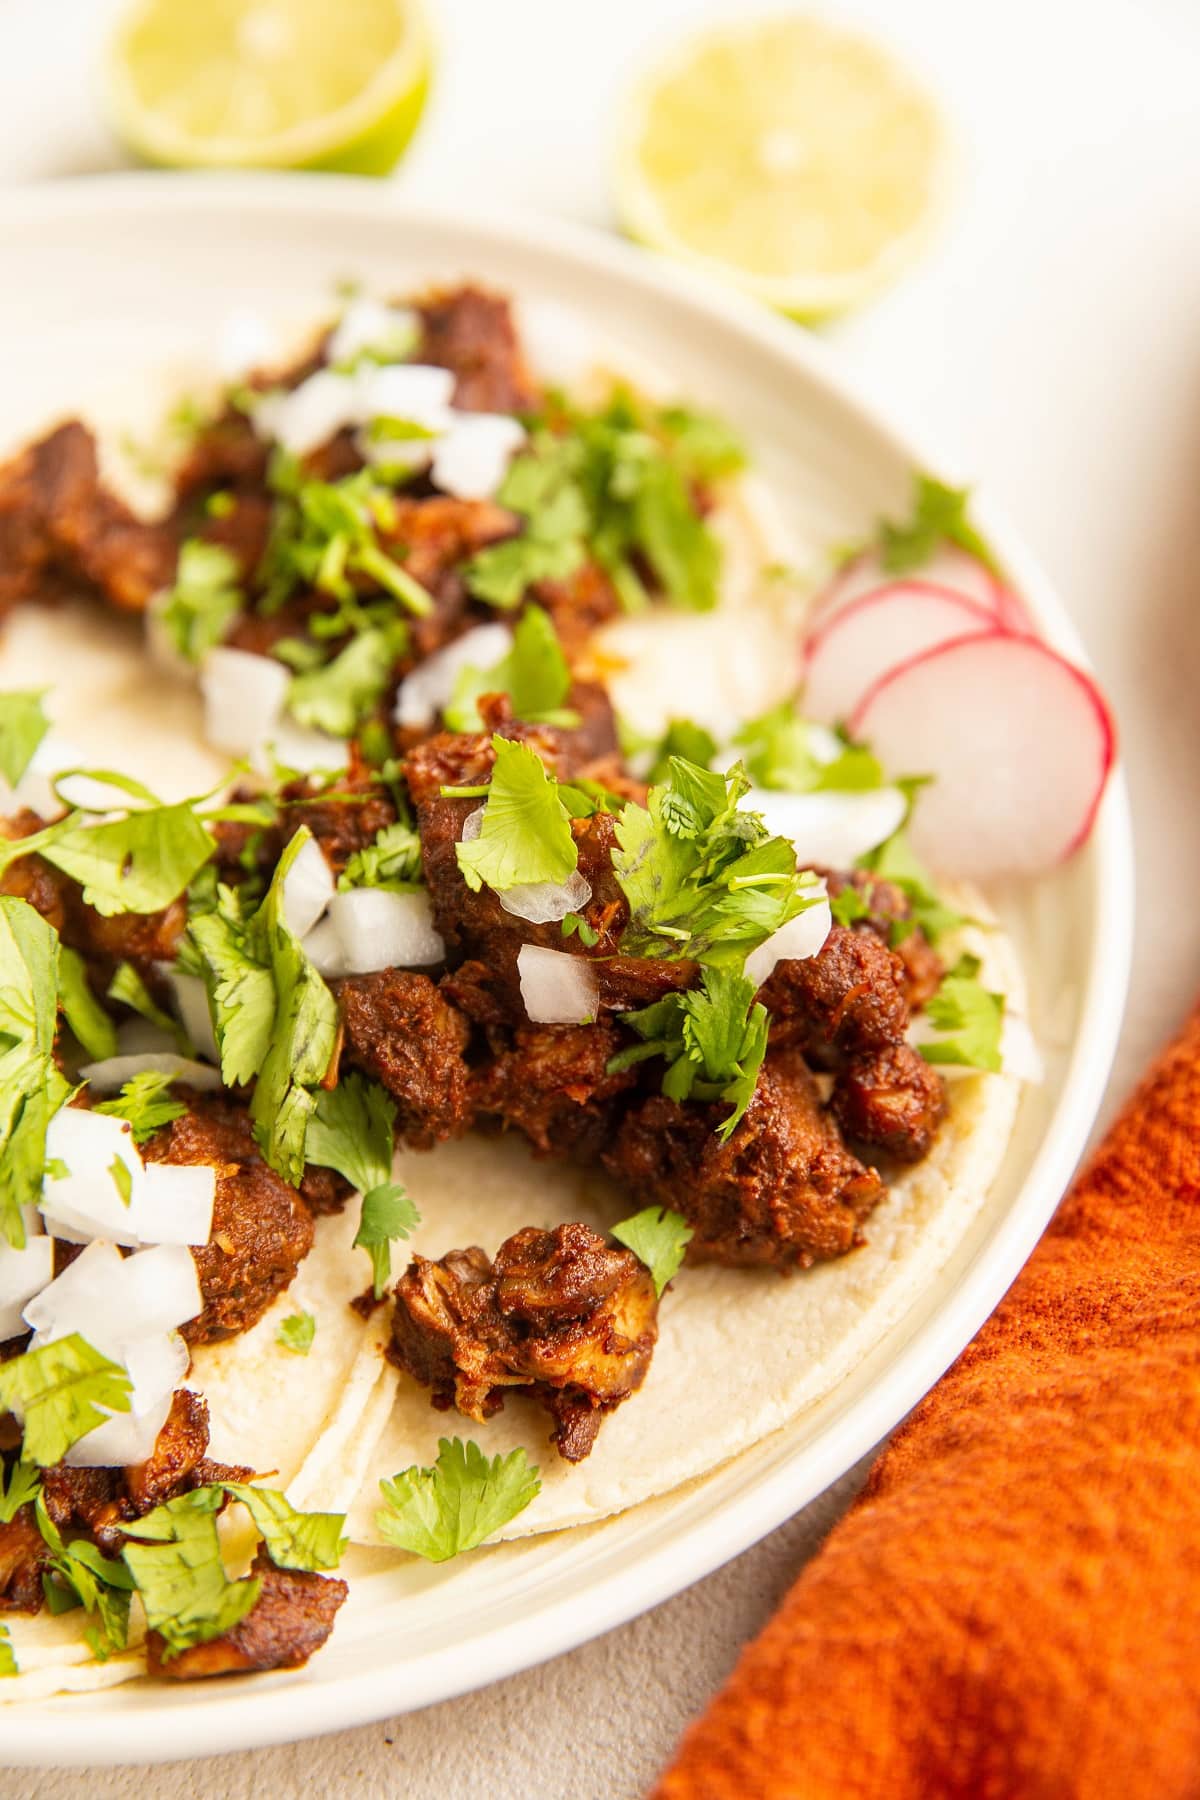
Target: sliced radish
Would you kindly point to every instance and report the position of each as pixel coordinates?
(870, 635)
(1019, 743)
(948, 567)
(830, 830)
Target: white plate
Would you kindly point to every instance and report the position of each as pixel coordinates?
(107, 278)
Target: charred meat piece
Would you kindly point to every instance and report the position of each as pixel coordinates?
(578, 604)
(848, 998)
(783, 1190)
(344, 818)
(891, 1099)
(60, 527)
(890, 918)
(399, 1029)
(262, 1230)
(472, 333)
(291, 1619)
(24, 1556)
(228, 452)
(551, 1082)
(559, 1314)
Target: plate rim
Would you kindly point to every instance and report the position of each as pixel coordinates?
(258, 1715)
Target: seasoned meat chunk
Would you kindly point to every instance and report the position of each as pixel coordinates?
(890, 918)
(847, 998)
(60, 527)
(344, 818)
(291, 1619)
(783, 1190)
(228, 452)
(399, 1029)
(181, 1445)
(551, 1082)
(892, 1099)
(262, 1230)
(578, 604)
(559, 1314)
(24, 1556)
(473, 334)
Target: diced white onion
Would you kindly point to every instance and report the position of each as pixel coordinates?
(471, 459)
(369, 324)
(419, 393)
(156, 1365)
(801, 937)
(175, 1203)
(113, 1072)
(557, 987)
(114, 1301)
(323, 949)
(545, 902)
(423, 694)
(243, 697)
(300, 747)
(85, 1202)
(376, 929)
(307, 416)
(830, 829)
(308, 887)
(23, 1274)
(191, 1004)
(245, 342)
(142, 1037)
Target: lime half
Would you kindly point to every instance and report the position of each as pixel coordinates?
(788, 156)
(284, 84)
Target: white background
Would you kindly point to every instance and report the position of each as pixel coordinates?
(1051, 342)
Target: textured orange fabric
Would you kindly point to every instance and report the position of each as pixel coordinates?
(1012, 1608)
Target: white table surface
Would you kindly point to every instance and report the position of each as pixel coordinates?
(1051, 341)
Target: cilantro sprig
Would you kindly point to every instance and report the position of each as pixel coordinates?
(712, 1040)
(23, 1486)
(534, 674)
(144, 1100)
(206, 598)
(353, 1131)
(896, 861)
(659, 1238)
(31, 1087)
(391, 860)
(525, 835)
(939, 516)
(778, 752)
(60, 1392)
(325, 533)
(84, 1015)
(463, 1499)
(137, 863)
(969, 1015)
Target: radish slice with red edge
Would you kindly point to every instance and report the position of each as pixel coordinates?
(1018, 741)
(948, 567)
(864, 639)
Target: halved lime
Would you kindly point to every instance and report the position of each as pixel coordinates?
(791, 157)
(312, 84)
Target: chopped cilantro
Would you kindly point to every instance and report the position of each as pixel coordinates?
(61, 1391)
(8, 1662)
(387, 1215)
(575, 925)
(294, 1540)
(895, 861)
(657, 1237)
(122, 1180)
(939, 516)
(777, 749)
(24, 1486)
(23, 725)
(138, 863)
(526, 830)
(971, 1016)
(325, 532)
(144, 1101)
(84, 1015)
(352, 1131)
(339, 695)
(682, 738)
(81, 1575)
(540, 486)
(712, 1039)
(296, 1333)
(391, 860)
(534, 675)
(848, 906)
(205, 600)
(174, 1556)
(437, 1513)
(31, 1087)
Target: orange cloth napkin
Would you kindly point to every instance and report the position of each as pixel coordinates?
(1012, 1608)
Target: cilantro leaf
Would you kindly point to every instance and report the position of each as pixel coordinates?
(352, 1130)
(713, 1046)
(325, 532)
(60, 1392)
(895, 861)
(970, 1015)
(24, 1485)
(779, 751)
(539, 485)
(240, 988)
(391, 860)
(534, 675)
(658, 1238)
(387, 1215)
(340, 694)
(81, 1575)
(294, 1540)
(526, 831)
(205, 600)
(848, 906)
(138, 863)
(683, 738)
(144, 1101)
(8, 1662)
(31, 1087)
(939, 516)
(129, 987)
(439, 1512)
(296, 1333)
(23, 725)
(174, 1556)
(84, 1015)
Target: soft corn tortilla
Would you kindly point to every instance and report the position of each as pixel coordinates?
(740, 1353)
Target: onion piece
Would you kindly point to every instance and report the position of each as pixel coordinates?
(175, 1203)
(107, 1076)
(420, 392)
(377, 929)
(546, 902)
(558, 987)
(114, 1301)
(370, 324)
(470, 461)
(156, 1365)
(191, 1005)
(301, 747)
(831, 829)
(243, 697)
(23, 1275)
(323, 949)
(308, 415)
(308, 887)
(86, 1202)
(424, 693)
(799, 939)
